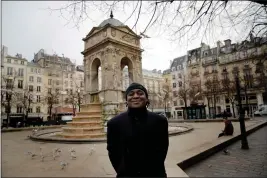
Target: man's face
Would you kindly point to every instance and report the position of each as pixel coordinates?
(136, 98)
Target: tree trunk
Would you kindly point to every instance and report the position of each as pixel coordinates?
(185, 103)
(214, 106)
(209, 107)
(233, 108)
(248, 107)
(8, 113)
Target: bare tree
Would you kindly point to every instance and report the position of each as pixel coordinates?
(166, 95)
(213, 90)
(184, 90)
(229, 91)
(25, 99)
(178, 18)
(8, 93)
(51, 99)
(152, 100)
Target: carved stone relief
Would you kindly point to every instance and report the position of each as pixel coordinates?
(128, 38)
(104, 33)
(113, 32)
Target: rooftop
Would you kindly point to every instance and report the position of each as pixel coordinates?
(111, 21)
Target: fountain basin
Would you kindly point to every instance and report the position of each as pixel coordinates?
(56, 135)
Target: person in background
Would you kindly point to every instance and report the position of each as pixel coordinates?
(138, 140)
(228, 128)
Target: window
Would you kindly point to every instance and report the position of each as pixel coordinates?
(30, 110)
(57, 82)
(81, 84)
(8, 60)
(39, 71)
(174, 85)
(38, 98)
(16, 61)
(174, 93)
(71, 91)
(173, 76)
(9, 84)
(71, 84)
(70, 75)
(49, 90)
(39, 79)
(180, 75)
(31, 69)
(181, 102)
(9, 71)
(49, 81)
(20, 83)
(22, 62)
(57, 90)
(31, 78)
(38, 109)
(21, 72)
(19, 109)
(35, 70)
(30, 87)
(39, 88)
(180, 84)
(174, 103)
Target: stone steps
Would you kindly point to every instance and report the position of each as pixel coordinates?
(88, 130)
(89, 113)
(94, 135)
(91, 107)
(84, 124)
(86, 119)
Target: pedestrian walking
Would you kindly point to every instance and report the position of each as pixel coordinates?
(137, 140)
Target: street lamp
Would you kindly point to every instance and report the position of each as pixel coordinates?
(244, 141)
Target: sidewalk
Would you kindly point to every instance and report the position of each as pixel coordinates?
(247, 163)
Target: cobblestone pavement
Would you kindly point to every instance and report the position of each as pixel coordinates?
(239, 163)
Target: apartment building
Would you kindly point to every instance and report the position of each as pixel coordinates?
(167, 85)
(154, 81)
(212, 73)
(178, 79)
(36, 79)
(14, 80)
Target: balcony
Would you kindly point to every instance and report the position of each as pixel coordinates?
(194, 63)
(207, 62)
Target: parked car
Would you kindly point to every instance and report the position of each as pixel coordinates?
(262, 110)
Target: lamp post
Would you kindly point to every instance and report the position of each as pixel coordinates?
(79, 100)
(244, 141)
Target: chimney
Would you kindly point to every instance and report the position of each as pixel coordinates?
(4, 51)
(227, 42)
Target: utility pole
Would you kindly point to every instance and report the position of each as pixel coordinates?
(244, 141)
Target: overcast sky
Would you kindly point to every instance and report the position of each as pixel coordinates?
(29, 26)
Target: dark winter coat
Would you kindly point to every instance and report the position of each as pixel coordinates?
(137, 143)
(229, 128)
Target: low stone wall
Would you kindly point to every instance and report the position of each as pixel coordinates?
(203, 120)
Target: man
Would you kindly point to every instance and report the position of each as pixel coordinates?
(228, 128)
(138, 140)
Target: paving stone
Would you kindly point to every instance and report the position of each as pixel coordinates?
(240, 163)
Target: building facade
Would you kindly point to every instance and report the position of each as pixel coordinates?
(48, 81)
(178, 80)
(212, 74)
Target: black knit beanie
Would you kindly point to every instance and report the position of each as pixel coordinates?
(136, 86)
